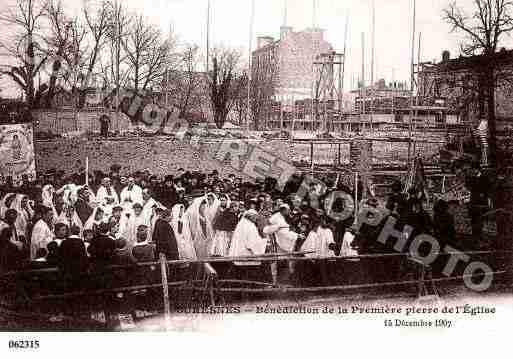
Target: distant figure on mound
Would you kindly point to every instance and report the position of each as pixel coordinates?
(104, 125)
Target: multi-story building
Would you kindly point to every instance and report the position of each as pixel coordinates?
(455, 84)
(381, 98)
(283, 73)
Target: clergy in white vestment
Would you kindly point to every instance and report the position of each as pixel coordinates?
(42, 233)
(130, 194)
(285, 238)
(135, 220)
(319, 241)
(106, 195)
(185, 246)
(149, 204)
(246, 240)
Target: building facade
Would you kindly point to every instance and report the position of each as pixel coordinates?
(381, 98)
(455, 84)
(283, 73)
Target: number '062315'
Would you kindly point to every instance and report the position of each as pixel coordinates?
(23, 344)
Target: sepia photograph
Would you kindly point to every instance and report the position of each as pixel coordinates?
(205, 167)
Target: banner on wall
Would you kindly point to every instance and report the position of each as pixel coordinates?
(17, 152)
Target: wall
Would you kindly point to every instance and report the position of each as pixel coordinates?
(160, 155)
(163, 155)
(86, 121)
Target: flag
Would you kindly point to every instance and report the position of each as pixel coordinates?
(481, 134)
(417, 179)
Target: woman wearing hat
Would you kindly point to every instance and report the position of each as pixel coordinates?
(224, 223)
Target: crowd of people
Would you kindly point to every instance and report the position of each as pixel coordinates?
(120, 218)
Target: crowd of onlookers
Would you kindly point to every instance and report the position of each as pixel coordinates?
(120, 218)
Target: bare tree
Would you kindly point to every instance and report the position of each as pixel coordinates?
(148, 54)
(23, 20)
(240, 95)
(184, 83)
(97, 23)
(221, 79)
(58, 41)
(484, 27)
(112, 63)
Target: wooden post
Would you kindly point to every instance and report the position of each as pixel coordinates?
(355, 197)
(312, 156)
(165, 289)
(339, 154)
(87, 172)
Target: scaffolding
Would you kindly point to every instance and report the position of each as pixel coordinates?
(328, 89)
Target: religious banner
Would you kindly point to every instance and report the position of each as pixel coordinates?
(17, 152)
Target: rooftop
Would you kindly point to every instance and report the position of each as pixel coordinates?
(467, 62)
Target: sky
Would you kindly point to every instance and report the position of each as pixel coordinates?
(393, 30)
(230, 26)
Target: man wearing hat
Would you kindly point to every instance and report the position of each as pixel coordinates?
(83, 204)
(167, 192)
(116, 222)
(164, 237)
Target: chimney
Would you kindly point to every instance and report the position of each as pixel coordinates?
(446, 56)
(285, 31)
(263, 41)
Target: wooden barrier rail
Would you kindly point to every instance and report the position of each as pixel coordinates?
(259, 258)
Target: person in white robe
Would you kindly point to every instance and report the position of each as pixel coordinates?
(285, 238)
(70, 218)
(185, 246)
(107, 196)
(25, 213)
(69, 193)
(213, 203)
(246, 240)
(149, 204)
(47, 194)
(198, 228)
(42, 233)
(347, 250)
(135, 220)
(319, 241)
(130, 194)
(98, 216)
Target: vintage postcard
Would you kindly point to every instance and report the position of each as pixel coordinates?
(291, 171)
